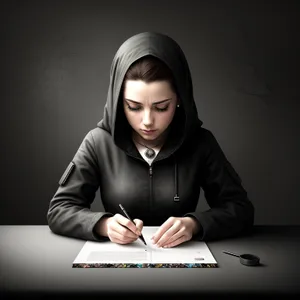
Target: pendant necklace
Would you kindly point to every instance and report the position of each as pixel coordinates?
(149, 153)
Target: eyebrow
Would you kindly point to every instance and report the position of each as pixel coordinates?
(158, 102)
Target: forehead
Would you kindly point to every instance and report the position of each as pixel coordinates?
(139, 88)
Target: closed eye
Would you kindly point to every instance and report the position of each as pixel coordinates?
(138, 108)
(134, 108)
(160, 109)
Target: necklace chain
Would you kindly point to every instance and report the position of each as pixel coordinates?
(145, 145)
(149, 152)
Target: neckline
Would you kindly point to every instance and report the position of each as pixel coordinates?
(157, 146)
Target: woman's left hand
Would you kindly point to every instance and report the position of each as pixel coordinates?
(175, 231)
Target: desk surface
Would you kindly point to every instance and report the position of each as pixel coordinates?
(34, 261)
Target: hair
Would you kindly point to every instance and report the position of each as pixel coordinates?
(150, 68)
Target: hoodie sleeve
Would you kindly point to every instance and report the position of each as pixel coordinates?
(231, 213)
(69, 211)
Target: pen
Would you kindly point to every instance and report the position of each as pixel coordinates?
(126, 214)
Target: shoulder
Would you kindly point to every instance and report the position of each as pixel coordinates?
(204, 133)
(95, 139)
(97, 134)
(204, 136)
(205, 141)
(199, 133)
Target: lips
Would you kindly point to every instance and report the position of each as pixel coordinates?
(148, 131)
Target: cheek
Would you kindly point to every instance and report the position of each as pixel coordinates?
(132, 118)
(168, 117)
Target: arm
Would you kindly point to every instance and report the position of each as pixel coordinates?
(231, 213)
(69, 211)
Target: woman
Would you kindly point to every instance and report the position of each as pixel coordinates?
(151, 154)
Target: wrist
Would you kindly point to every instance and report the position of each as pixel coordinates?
(194, 224)
(101, 226)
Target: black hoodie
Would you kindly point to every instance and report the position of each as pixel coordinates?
(190, 159)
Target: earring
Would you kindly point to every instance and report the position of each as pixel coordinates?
(178, 105)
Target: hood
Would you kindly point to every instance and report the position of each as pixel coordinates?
(166, 49)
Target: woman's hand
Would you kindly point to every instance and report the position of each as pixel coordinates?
(175, 231)
(119, 229)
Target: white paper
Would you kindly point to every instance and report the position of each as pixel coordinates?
(191, 252)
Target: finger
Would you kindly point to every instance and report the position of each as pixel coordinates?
(122, 230)
(175, 230)
(162, 229)
(126, 222)
(123, 234)
(177, 242)
(121, 241)
(174, 237)
(139, 224)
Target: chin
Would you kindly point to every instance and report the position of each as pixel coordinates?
(150, 137)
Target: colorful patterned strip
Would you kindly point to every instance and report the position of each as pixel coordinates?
(109, 265)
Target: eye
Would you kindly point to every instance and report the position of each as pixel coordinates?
(134, 108)
(160, 109)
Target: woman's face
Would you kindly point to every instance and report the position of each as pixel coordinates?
(149, 107)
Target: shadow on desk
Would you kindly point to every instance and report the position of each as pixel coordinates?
(145, 295)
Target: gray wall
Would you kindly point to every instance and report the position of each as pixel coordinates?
(55, 65)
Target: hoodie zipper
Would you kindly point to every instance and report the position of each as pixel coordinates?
(150, 183)
(151, 186)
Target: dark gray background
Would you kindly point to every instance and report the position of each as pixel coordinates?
(55, 62)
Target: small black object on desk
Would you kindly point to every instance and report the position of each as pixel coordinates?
(246, 259)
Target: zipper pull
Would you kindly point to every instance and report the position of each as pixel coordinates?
(150, 171)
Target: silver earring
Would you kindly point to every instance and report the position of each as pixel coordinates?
(177, 105)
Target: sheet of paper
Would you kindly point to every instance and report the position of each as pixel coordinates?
(186, 253)
(108, 252)
(97, 253)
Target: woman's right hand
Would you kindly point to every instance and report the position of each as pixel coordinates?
(119, 229)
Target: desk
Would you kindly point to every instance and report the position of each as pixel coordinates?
(35, 262)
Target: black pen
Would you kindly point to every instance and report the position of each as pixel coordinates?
(126, 214)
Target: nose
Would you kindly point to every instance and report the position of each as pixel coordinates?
(147, 118)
